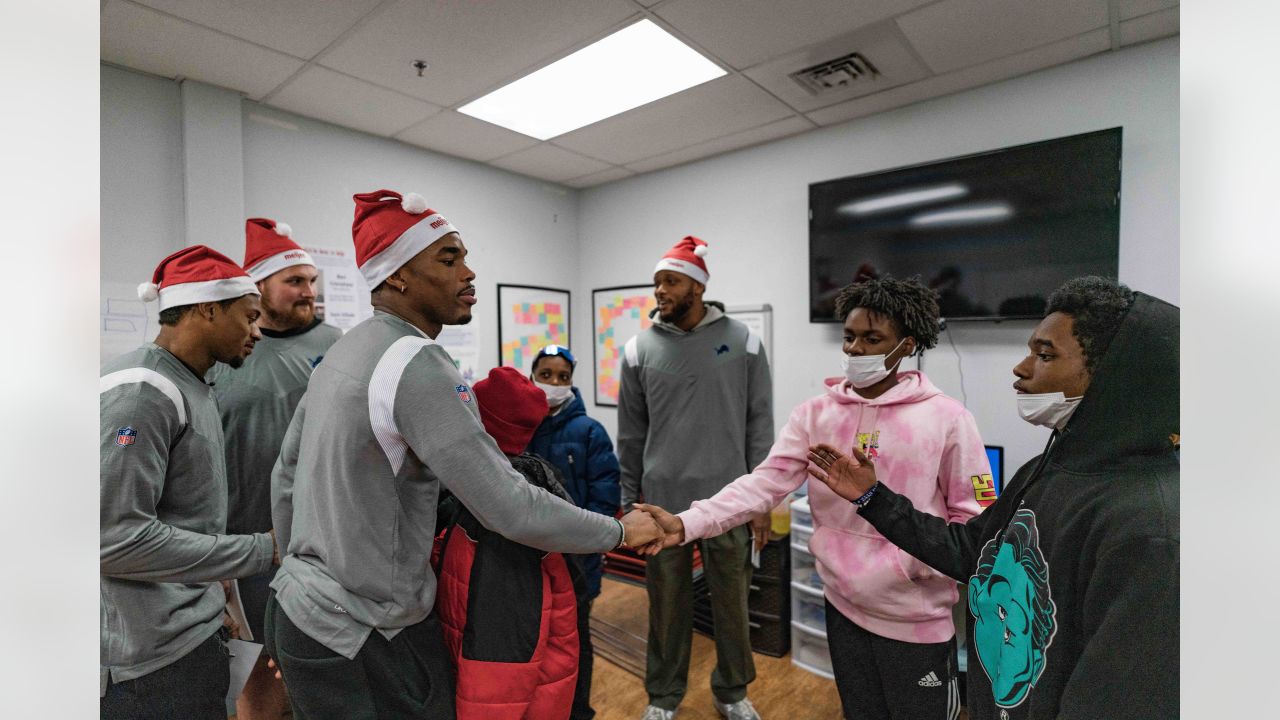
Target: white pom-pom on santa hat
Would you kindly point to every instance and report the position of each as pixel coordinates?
(413, 203)
(700, 251)
(283, 229)
(148, 292)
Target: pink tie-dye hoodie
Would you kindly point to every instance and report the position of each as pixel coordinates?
(925, 446)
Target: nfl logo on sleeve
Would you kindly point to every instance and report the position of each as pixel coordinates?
(125, 436)
(464, 394)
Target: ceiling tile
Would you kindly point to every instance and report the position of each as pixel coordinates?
(299, 27)
(745, 33)
(716, 108)
(954, 34)
(472, 46)
(937, 86)
(755, 136)
(1130, 9)
(457, 134)
(549, 162)
(1150, 27)
(153, 42)
(362, 106)
(599, 178)
(881, 44)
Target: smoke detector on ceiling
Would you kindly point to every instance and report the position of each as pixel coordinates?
(838, 74)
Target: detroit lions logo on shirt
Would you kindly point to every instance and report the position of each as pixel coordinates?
(722, 349)
(125, 436)
(464, 393)
(315, 361)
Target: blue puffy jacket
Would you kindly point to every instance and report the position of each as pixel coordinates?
(581, 450)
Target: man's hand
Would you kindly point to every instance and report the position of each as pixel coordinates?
(275, 548)
(639, 529)
(231, 625)
(672, 529)
(848, 477)
(761, 525)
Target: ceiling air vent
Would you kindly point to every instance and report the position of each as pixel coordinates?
(838, 74)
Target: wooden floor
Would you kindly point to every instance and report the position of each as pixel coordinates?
(781, 690)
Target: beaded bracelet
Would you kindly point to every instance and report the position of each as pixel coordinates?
(866, 497)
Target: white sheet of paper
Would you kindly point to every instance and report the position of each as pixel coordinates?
(755, 556)
(235, 607)
(244, 655)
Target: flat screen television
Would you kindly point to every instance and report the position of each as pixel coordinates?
(992, 233)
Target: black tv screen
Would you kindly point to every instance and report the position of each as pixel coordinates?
(993, 233)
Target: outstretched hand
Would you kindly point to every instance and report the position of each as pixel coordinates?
(639, 530)
(672, 529)
(848, 477)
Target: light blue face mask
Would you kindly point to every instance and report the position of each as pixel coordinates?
(1051, 410)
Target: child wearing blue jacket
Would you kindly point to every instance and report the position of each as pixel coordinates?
(581, 450)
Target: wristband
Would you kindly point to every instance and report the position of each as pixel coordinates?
(866, 496)
(622, 534)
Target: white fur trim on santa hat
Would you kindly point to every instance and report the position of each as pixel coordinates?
(685, 268)
(410, 243)
(275, 263)
(284, 230)
(148, 291)
(206, 291)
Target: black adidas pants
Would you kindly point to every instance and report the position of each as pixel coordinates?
(883, 679)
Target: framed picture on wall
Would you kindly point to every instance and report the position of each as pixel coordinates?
(617, 315)
(530, 317)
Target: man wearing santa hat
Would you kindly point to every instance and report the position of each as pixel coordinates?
(163, 544)
(386, 422)
(257, 401)
(695, 411)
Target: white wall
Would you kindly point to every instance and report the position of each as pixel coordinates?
(141, 198)
(751, 206)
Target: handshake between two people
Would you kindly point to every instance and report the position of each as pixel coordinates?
(649, 529)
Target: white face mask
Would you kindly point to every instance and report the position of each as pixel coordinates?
(557, 395)
(1051, 410)
(867, 370)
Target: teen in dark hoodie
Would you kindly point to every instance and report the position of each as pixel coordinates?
(1073, 571)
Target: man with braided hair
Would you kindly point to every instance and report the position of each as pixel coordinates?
(888, 616)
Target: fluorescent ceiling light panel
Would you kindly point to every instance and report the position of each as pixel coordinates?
(963, 216)
(907, 198)
(636, 65)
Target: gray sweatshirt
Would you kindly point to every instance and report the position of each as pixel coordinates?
(695, 410)
(386, 421)
(162, 515)
(257, 401)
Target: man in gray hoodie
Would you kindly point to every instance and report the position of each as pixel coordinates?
(695, 411)
(385, 423)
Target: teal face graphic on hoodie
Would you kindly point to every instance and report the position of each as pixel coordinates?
(1013, 611)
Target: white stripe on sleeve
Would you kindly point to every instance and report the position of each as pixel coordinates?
(150, 377)
(382, 397)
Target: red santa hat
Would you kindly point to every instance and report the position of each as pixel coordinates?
(511, 408)
(686, 257)
(390, 229)
(194, 275)
(269, 248)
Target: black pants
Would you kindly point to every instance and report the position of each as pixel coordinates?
(883, 679)
(195, 687)
(409, 676)
(582, 709)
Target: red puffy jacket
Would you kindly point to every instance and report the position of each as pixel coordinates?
(510, 620)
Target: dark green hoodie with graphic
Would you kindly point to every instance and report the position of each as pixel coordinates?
(1073, 571)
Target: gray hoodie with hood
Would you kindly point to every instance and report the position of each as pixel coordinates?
(695, 410)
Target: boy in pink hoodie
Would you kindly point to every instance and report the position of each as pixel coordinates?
(889, 621)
